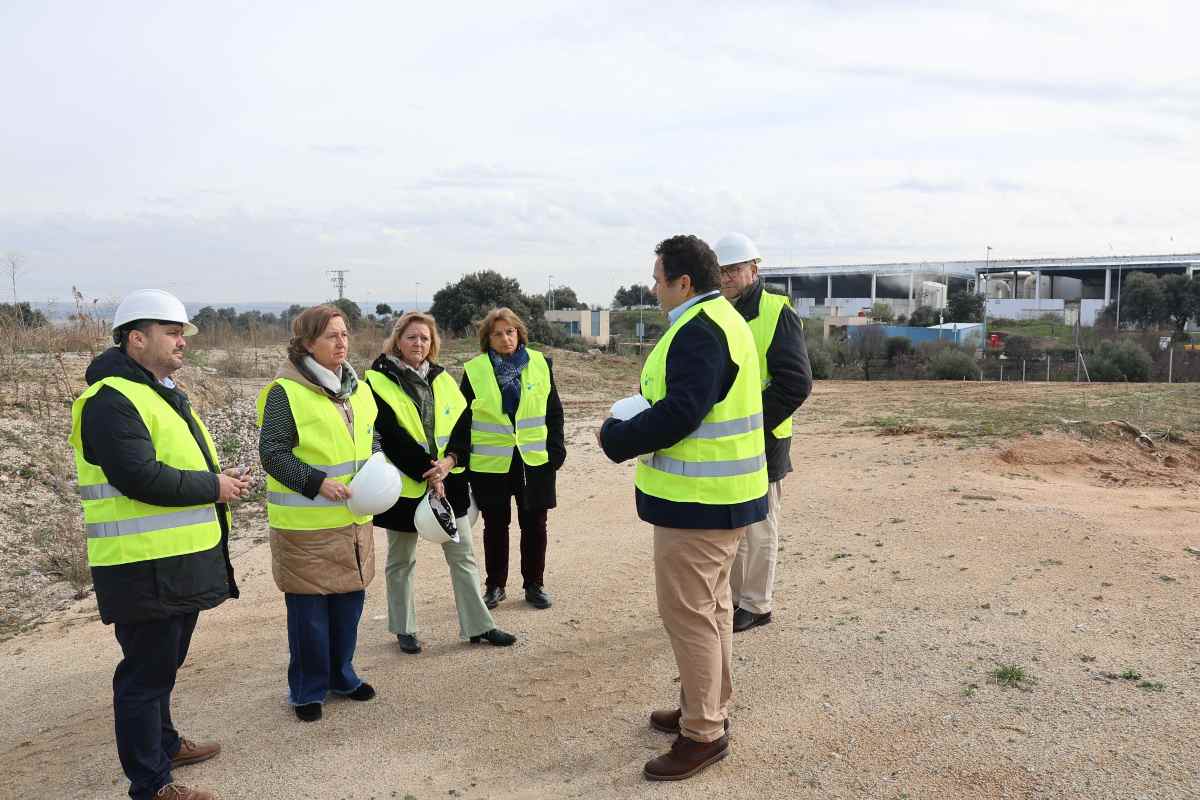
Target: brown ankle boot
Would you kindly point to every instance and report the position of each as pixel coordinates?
(668, 721)
(177, 791)
(685, 759)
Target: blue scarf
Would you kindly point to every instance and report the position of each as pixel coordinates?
(508, 376)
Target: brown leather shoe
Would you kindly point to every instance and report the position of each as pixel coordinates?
(685, 759)
(194, 752)
(668, 721)
(177, 791)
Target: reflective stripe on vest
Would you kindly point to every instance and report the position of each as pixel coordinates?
(448, 403)
(770, 306)
(121, 530)
(493, 434)
(723, 461)
(324, 444)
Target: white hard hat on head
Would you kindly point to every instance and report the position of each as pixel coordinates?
(152, 304)
(376, 487)
(735, 248)
(434, 520)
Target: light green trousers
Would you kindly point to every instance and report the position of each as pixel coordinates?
(473, 616)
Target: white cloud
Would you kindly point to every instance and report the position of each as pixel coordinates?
(236, 152)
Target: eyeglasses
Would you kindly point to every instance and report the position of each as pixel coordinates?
(733, 269)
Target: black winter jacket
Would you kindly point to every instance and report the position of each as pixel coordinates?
(700, 373)
(534, 487)
(791, 377)
(116, 439)
(411, 458)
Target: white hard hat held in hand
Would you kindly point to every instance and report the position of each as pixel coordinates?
(629, 407)
(735, 248)
(152, 304)
(434, 519)
(375, 488)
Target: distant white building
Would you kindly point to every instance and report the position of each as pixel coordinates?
(1070, 288)
(591, 326)
(844, 291)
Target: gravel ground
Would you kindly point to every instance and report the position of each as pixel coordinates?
(910, 571)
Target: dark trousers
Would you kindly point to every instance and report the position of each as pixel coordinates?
(322, 635)
(142, 684)
(495, 544)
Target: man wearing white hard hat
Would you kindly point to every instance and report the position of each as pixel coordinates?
(786, 382)
(156, 514)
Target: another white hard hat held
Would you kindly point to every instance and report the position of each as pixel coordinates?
(735, 248)
(629, 407)
(375, 488)
(434, 520)
(152, 304)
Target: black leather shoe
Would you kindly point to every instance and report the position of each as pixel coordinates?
(536, 596)
(365, 691)
(495, 637)
(744, 620)
(309, 712)
(493, 596)
(408, 643)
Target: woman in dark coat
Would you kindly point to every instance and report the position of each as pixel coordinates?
(417, 424)
(517, 446)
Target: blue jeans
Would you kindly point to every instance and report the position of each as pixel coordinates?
(142, 684)
(322, 634)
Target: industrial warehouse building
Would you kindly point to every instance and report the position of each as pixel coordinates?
(1071, 288)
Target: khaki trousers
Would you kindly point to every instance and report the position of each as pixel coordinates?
(473, 616)
(753, 576)
(691, 576)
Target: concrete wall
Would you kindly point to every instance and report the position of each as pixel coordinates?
(1023, 309)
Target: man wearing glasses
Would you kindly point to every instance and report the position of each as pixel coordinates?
(786, 382)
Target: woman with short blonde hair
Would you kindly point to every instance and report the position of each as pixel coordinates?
(426, 432)
(517, 446)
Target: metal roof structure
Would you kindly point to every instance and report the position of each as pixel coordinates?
(1186, 262)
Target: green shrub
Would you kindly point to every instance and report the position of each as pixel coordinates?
(820, 360)
(1120, 361)
(952, 364)
(923, 317)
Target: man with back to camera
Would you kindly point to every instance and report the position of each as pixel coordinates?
(701, 480)
(155, 508)
(786, 383)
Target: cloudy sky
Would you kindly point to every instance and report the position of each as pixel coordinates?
(234, 152)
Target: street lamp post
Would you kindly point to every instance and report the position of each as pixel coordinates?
(417, 299)
(549, 293)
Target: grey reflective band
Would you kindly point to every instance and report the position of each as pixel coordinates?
(705, 469)
(300, 501)
(490, 427)
(153, 523)
(532, 422)
(100, 491)
(532, 447)
(442, 441)
(491, 450)
(335, 470)
(730, 427)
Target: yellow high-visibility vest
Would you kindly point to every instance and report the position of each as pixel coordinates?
(449, 404)
(770, 306)
(493, 434)
(121, 530)
(723, 461)
(324, 444)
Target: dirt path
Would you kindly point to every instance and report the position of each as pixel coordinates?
(910, 570)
